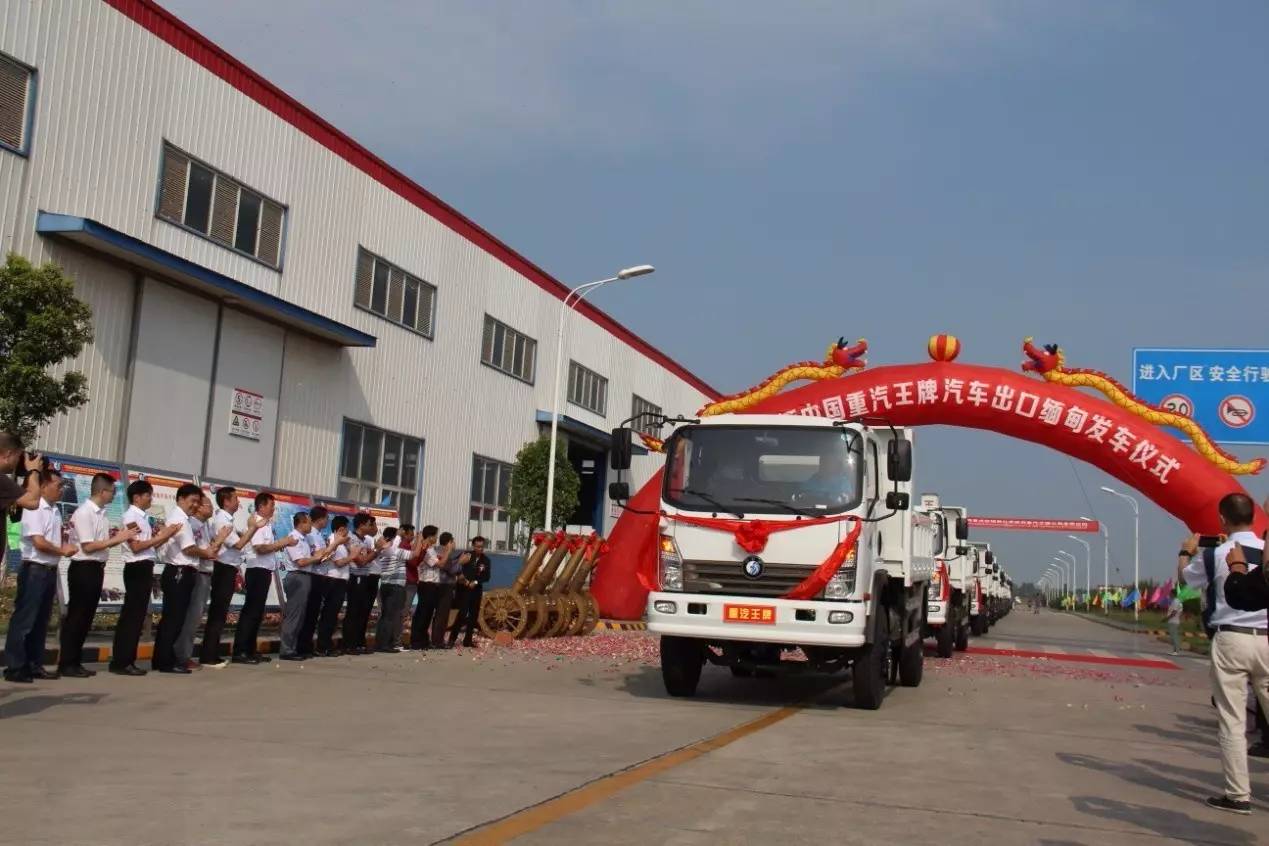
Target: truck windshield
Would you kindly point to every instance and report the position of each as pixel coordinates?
(764, 470)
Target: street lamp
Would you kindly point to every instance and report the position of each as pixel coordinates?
(1060, 573)
(1070, 572)
(574, 297)
(1088, 570)
(1055, 575)
(1136, 542)
(1105, 559)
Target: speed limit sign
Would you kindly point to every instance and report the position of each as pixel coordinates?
(1178, 404)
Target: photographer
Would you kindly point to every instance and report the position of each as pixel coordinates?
(15, 496)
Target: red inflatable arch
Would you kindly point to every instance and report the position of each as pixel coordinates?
(1120, 442)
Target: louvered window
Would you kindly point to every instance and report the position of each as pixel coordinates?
(645, 416)
(390, 292)
(587, 389)
(505, 349)
(15, 103)
(214, 205)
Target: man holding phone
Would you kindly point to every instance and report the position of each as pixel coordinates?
(1240, 641)
(138, 577)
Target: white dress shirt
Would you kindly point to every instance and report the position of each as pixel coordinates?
(174, 550)
(43, 521)
(317, 543)
(90, 524)
(429, 572)
(228, 554)
(268, 560)
(300, 549)
(341, 554)
(145, 532)
(203, 537)
(1196, 576)
(356, 545)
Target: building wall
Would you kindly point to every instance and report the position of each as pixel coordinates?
(109, 94)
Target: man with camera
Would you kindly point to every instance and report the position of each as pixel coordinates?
(16, 494)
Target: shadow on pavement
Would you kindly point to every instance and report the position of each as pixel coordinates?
(35, 704)
(1200, 723)
(1164, 822)
(1184, 736)
(718, 686)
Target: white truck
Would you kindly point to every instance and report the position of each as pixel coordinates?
(982, 591)
(735, 477)
(947, 618)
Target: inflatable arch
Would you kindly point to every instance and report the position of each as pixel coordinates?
(1119, 434)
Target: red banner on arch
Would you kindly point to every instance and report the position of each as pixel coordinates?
(1031, 524)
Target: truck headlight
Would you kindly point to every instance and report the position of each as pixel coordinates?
(670, 565)
(842, 584)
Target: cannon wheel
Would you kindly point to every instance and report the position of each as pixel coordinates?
(537, 615)
(590, 618)
(560, 614)
(504, 611)
(576, 614)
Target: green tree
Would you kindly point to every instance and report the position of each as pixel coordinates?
(528, 489)
(42, 323)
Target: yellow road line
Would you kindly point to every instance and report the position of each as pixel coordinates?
(532, 818)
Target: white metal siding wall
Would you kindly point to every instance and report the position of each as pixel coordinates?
(250, 357)
(110, 93)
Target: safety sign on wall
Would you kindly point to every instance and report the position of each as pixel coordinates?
(1224, 391)
(246, 414)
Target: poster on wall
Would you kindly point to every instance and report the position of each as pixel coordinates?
(246, 414)
(385, 517)
(338, 508)
(77, 480)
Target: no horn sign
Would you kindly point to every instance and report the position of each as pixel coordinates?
(1222, 390)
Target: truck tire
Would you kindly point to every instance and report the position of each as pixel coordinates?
(944, 638)
(962, 637)
(912, 664)
(976, 626)
(870, 671)
(681, 662)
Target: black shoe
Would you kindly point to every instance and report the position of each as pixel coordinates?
(293, 657)
(41, 674)
(180, 671)
(1224, 803)
(76, 671)
(262, 659)
(391, 650)
(18, 676)
(337, 653)
(243, 659)
(1258, 750)
(130, 670)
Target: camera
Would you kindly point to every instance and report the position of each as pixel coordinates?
(20, 472)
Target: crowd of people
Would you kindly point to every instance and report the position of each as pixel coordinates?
(331, 565)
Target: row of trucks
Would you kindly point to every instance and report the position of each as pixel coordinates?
(805, 484)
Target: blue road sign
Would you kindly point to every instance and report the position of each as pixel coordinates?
(1225, 391)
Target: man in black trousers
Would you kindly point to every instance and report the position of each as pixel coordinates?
(224, 572)
(138, 577)
(181, 557)
(259, 563)
(471, 584)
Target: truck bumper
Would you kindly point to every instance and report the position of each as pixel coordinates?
(936, 613)
(707, 617)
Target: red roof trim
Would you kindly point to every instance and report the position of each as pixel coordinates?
(184, 38)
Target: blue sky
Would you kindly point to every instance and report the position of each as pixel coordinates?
(1090, 173)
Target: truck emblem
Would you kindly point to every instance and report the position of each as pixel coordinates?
(753, 567)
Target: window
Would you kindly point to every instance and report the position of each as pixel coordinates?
(390, 292)
(505, 349)
(587, 389)
(643, 411)
(380, 468)
(16, 85)
(208, 202)
(490, 493)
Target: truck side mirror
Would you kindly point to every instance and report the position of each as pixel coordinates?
(899, 461)
(962, 550)
(989, 559)
(897, 501)
(621, 451)
(962, 529)
(618, 491)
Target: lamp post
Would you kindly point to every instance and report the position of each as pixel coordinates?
(570, 302)
(1055, 575)
(1136, 543)
(1088, 570)
(1105, 559)
(1069, 566)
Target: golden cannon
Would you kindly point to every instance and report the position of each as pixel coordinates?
(548, 596)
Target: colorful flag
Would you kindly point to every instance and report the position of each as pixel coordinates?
(1097, 601)
(1131, 599)
(1185, 593)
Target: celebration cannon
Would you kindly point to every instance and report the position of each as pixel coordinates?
(549, 596)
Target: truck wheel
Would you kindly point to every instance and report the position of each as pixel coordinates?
(944, 637)
(976, 625)
(870, 671)
(962, 637)
(912, 664)
(681, 661)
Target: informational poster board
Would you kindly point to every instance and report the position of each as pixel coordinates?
(338, 508)
(385, 517)
(77, 479)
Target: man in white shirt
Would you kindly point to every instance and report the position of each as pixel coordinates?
(224, 574)
(181, 555)
(200, 522)
(1240, 650)
(319, 585)
(436, 592)
(343, 552)
(138, 577)
(260, 561)
(42, 548)
(363, 582)
(93, 534)
(297, 584)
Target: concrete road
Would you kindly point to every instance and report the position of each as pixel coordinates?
(522, 745)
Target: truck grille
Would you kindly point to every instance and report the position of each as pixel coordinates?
(728, 577)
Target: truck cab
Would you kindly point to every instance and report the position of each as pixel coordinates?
(947, 618)
(981, 590)
(782, 533)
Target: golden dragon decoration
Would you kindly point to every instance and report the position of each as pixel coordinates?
(838, 359)
(1049, 362)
